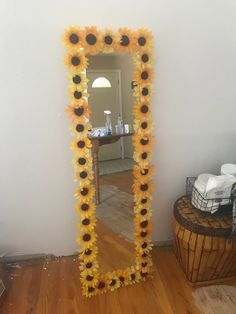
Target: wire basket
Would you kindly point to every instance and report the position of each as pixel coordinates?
(211, 205)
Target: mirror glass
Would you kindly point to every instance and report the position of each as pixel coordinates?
(111, 100)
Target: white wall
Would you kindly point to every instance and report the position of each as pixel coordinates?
(194, 108)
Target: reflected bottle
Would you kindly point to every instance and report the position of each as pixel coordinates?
(120, 125)
(108, 126)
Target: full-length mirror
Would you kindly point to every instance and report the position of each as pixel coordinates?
(110, 91)
(111, 99)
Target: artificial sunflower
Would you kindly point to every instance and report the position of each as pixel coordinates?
(126, 42)
(142, 158)
(85, 175)
(88, 255)
(76, 93)
(143, 92)
(142, 110)
(143, 211)
(102, 283)
(78, 79)
(76, 61)
(143, 234)
(89, 265)
(140, 173)
(110, 40)
(80, 144)
(131, 276)
(144, 38)
(87, 223)
(80, 129)
(88, 291)
(143, 126)
(92, 40)
(143, 188)
(141, 223)
(78, 112)
(87, 239)
(144, 264)
(85, 193)
(120, 273)
(89, 278)
(72, 37)
(143, 75)
(113, 281)
(143, 57)
(144, 246)
(85, 209)
(143, 143)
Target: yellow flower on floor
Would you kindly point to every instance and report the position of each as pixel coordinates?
(143, 143)
(87, 223)
(143, 57)
(88, 255)
(85, 209)
(144, 38)
(144, 264)
(90, 278)
(87, 239)
(72, 37)
(113, 281)
(76, 61)
(85, 193)
(127, 40)
(92, 40)
(88, 291)
(102, 284)
(142, 110)
(143, 75)
(141, 173)
(79, 144)
(110, 40)
(144, 246)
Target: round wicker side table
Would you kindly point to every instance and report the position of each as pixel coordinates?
(202, 245)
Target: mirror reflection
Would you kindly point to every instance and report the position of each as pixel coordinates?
(111, 87)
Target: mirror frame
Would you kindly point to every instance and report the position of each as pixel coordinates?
(91, 41)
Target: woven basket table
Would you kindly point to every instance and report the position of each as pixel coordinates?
(202, 244)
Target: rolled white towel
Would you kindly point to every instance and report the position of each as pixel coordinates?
(228, 169)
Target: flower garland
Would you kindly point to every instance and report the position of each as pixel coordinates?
(90, 40)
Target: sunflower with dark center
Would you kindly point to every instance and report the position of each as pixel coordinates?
(79, 112)
(76, 61)
(87, 239)
(144, 38)
(110, 40)
(143, 143)
(80, 144)
(92, 40)
(142, 110)
(72, 37)
(126, 42)
(85, 193)
(87, 223)
(85, 209)
(143, 75)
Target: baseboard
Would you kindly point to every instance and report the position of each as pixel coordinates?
(163, 243)
(26, 257)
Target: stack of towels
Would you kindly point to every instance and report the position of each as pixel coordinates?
(211, 191)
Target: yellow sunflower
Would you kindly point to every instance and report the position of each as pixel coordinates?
(82, 161)
(131, 276)
(144, 246)
(144, 265)
(113, 281)
(142, 110)
(85, 193)
(76, 61)
(143, 211)
(143, 126)
(87, 239)
(89, 278)
(84, 175)
(88, 255)
(110, 40)
(127, 41)
(140, 173)
(80, 129)
(88, 291)
(143, 57)
(78, 113)
(143, 75)
(102, 283)
(87, 224)
(72, 37)
(85, 209)
(143, 188)
(144, 38)
(92, 40)
(76, 93)
(142, 158)
(80, 144)
(143, 234)
(141, 223)
(121, 275)
(143, 143)
(89, 265)
(78, 79)
(143, 92)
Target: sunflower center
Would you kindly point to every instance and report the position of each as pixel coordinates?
(143, 211)
(144, 224)
(144, 245)
(144, 75)
(143, 274)
(144, 187)
(88, 252)
(144, 155)
(122, 279)
(85, 221)
(143, 234)
(144, 200)
(75, 60)
(145, 91)
(144, 141)
(83, 174)
(144, 172)
(76, 79)
(124, 40)
(132, 276)
(89, 277)
(82, 161)
(145, 58)
(84, 207)
(108, 40)
(84, 191)
(81, 144)
(113, 282)
(89, 265)
(144, 264)
(74, 38)
(79, 111)
(144, 255)
(101, 285)
(144, 109)
(86, 237)
(144, 125)
(79, 128)
(77, 94)
(90, 289)
(142, 41)
(91, 39)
